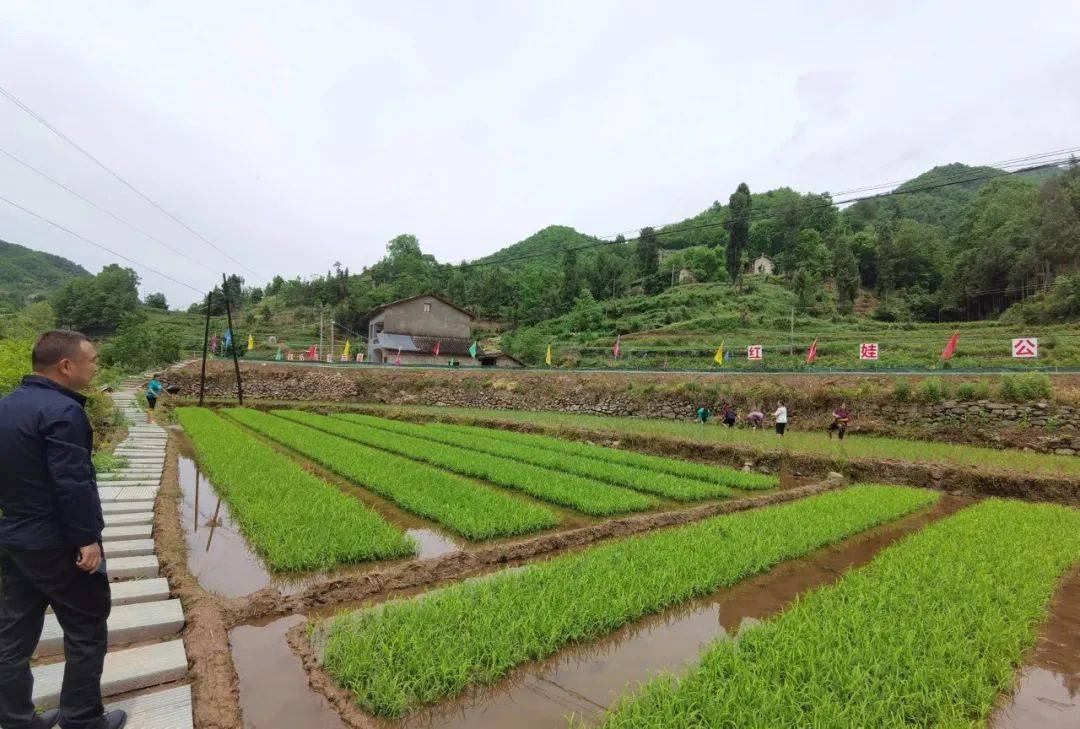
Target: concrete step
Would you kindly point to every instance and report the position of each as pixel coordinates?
(129, 548)
(166, 709)
(132, 568)
(138, 591)
(121, 532)
(125, 670)
(127, 493)
(127, 624)
(129, 519)
(117, 482)
(126, 507)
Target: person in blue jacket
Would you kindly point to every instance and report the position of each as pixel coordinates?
(153, 392)
(50, 538)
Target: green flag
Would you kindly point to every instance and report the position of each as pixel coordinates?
(278, 355)
(472, 350)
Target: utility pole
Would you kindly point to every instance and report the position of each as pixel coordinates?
(331, 340)
(205, 343)
(320, 331)
(232, 337)
(791, 341)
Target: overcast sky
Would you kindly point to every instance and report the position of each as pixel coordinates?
(296, 134)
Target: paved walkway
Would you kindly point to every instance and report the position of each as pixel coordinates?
(146, 663)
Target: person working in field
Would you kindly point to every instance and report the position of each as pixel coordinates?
(50, 539)
(841, 420)
(780, 418)
(703, 414)
(755, 418)
(728, 414)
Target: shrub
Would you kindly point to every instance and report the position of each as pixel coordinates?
(1028, 386)
(902, 391)
(933, 389)
(14, 363)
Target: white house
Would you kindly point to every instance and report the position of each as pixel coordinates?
(762, 265)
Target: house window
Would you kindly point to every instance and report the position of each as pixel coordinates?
(427, 308)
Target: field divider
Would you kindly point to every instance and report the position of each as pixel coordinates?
(929, 633)
(638, 478)
(558, 487)
(401, 654)
(294, 520)
(468, 508)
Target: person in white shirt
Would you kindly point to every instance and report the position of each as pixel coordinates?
(780, 418)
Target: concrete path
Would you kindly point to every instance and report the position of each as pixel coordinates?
(146, 660)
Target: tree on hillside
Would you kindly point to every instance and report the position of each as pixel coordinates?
(648, 259)
(1057, 242)
(845, 269)
(739, 228)
(572, 280)
(156, 301)
(98, 304)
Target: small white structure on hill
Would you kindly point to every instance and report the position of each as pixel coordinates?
(762, 265)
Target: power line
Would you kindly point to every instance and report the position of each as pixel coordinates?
(82, 150)
(97, 207)
(98, 245)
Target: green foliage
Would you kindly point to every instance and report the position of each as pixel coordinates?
(1061, 303)
(684, 469)
(928, 634)
(462, 505)
(582, 494)
(293, 519)
(978, 390)
(156, 301)
(659, 483)
(14, 363)
(139, 346)
(107, 462)
(647, 252)
(27, 275)
(1025, 387)
(933, 389)
(414, 651)
(740, 206)
(99, 304)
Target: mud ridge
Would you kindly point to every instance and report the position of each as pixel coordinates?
(214, 690)
(269, 602)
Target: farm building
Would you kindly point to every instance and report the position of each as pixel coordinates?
(425, 329)
(763, 265)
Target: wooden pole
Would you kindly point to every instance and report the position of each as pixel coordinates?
(236, 361)
(205, 344)
(213, 524)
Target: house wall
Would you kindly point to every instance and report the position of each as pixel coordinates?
(410, 318)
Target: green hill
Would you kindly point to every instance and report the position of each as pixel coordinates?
(544, 244)
(27, 275)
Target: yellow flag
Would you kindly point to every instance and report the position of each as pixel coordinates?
(251, 342)
(547, 359)
(719, 358)
(345, 352)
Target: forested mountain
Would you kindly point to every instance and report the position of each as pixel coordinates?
(27, 275)
(956, 242)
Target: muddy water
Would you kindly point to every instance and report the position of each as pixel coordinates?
(274, 690)
(1048, 693)
(219, 555)
(584, 680)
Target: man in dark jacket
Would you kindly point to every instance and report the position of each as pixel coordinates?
(50, 538)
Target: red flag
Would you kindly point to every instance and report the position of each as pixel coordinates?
(616, 350)
(397, 360)
(438, 345)
(313, 352)
(812, 354)
(950, 348)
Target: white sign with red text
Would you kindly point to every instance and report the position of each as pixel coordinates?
(755, 352)
(1025, 347)
(868, 350)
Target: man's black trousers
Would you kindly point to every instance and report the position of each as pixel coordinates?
(29, 581)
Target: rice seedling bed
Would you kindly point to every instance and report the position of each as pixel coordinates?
(679, 488)
(582, 494)
(294, 520)
(687, 469)
(468, 508)
(928, 634)
(404, 653)
(794, 441)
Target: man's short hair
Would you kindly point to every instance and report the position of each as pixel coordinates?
(54, 346)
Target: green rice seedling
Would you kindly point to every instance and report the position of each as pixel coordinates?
(470, 509)
(687, 469)
(400, 654)
(928, 634)
(292, 519)
(639, 479)
(557, 487)
(855, 446)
